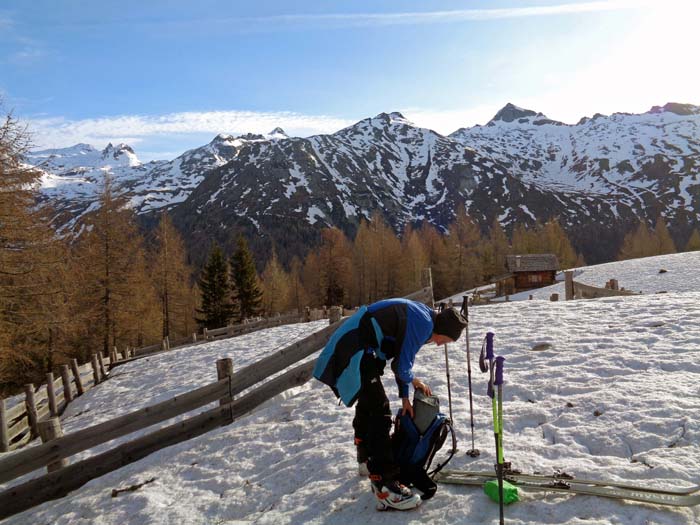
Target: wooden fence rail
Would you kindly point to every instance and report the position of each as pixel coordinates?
(21, 420)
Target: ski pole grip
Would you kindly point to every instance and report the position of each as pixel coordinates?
(489, 346)
(499, 370)
(465, 307)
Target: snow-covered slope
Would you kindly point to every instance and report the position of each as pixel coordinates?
(615, 397)
(639, 275)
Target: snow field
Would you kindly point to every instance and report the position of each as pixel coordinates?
(615, 396)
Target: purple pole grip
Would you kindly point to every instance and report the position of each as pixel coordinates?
(489, 346)
(499, 370)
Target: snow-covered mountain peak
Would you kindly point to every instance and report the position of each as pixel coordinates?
(122, 153)
(222, 137)
(277, 134)
(511, 112)
(677, 108)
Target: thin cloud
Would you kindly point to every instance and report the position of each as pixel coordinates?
(273, 23)
(459, 15)
(6, 22)
(61, 132)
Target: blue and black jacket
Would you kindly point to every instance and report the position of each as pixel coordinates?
(394, 329)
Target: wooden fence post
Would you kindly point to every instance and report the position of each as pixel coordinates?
(569, 285)
(4, 434)
(76, 376)
(95, 369)
(206, 335)
(224, 369)
(194, 337)
(67, 391)
(31, 408)
(49, 430)
(335, 314)
(51, 395)
(100, 360)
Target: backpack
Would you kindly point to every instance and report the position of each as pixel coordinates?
(416, 442)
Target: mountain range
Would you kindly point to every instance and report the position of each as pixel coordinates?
(599, 177)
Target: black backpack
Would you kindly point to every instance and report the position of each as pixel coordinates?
(417, 441)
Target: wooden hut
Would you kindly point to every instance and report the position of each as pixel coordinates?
(526, 272)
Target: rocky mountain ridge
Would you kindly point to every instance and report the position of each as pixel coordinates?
(598, 176)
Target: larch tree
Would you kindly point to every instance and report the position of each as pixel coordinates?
(557, 242)
(276, 286)
(412, 262)
(494, 251)
(172, 277)
(246, 287)
(463, 242)
(118, 300)
(638, 243)
(32, 260)
(662, 238)
(298, 296)
(693, 243)
(335, 259)
(438, 258)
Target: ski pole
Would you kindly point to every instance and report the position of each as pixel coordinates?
(465, 312)
(498, 431)
(447, 369)
(449, 389)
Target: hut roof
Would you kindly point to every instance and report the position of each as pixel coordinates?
(541, 262)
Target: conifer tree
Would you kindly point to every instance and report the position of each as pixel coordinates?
(693, 242)
(215, 288)
(247, 294)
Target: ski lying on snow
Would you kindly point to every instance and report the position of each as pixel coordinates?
(566, 478)
(547, 484)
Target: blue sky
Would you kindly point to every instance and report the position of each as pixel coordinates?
(166, 76)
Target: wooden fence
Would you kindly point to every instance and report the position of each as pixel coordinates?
(62, 478)
(59, 482)
(19, 422)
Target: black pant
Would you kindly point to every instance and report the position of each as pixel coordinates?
(373, 420)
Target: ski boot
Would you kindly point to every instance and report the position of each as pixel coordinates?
(393, 495)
